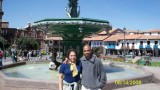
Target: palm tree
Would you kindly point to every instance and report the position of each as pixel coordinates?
(98, 51)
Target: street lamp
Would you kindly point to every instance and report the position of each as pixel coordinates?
(124, 29)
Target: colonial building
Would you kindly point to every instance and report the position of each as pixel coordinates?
(120, 42)
(11, 34)
(29, 31)
(54, 42)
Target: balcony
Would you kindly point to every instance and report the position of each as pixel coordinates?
(111, 46)
(132, 47)
(140, 46)
(128, 47)
(122, 47)
(155, 47)
(148, 47)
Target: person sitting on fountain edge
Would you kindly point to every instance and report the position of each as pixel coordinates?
(54, 64)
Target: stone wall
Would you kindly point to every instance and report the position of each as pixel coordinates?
(8, 83)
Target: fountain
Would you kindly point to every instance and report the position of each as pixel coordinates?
(72, 29)
(31, 76)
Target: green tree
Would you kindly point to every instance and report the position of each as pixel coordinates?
(27, 43)
(3, 43)
(97, 51)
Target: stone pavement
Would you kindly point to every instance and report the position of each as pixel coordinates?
(149, 86)
(154, 70)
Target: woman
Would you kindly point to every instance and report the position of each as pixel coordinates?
(69, 73)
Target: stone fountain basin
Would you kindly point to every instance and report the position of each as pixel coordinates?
(8, 83)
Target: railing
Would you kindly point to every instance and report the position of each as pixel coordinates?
(155, 47)
(140, 46)
(132, 47)
(111, 46)
(148, 47)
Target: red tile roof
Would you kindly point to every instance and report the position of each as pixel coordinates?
(155, 37)
(110, 31)
(114, 29)
(96, 38)
(132, 36)
(102, 32)
(154, 30)
(115, 37)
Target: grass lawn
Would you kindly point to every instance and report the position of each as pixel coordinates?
(141, 62)
(155, 64)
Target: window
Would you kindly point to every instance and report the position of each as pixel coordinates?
(105, 43)
(155, 42)
(122, 44)
(117, 44)
(55, 42)
(148, 42)
(141, 42)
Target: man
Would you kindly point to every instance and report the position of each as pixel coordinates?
(93, 73)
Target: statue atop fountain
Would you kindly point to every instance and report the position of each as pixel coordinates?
(73, 12)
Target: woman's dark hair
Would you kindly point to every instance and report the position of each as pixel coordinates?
(69, 51)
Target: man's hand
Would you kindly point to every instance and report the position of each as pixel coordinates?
(65, 61)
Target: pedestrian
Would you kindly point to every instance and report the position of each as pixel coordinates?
(1, 56)
(29, 55)
(69, 73)
(14, 53)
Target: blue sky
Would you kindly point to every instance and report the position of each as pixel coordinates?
(132, 14)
